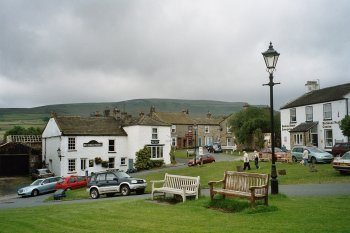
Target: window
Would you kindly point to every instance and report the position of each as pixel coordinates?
(83, 164)
(71, 165)
(308, 113)
(156, 152)
(91, 163)
(327, 111)
(111, 145)
(298, 139)
(111, 162)
(71, 143)
(293, 115)
(173, 142)
(123, 161)
(110, 176)
(206, 129)
(154, 133)
(173, 128)
(328, 137)
(229, 141)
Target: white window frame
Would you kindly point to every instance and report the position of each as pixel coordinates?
(111, 145)
(298, 139)
(156, 152)
(72, 165)
(154, 133)
(123, 161)
(173, 128)
(309, 113)
(293, 115)
(71, 143)
(83, 164)
(327, 111)
(111, 164)
(206, 129)
(328, 138)
(229, 141)
(173, 141)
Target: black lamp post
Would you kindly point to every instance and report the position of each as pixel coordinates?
(271, 57)
(195, 143)
(59, 153)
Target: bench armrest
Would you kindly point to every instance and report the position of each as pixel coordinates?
(156, 181)
(212, 183)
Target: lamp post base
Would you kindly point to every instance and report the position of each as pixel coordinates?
(274, 181)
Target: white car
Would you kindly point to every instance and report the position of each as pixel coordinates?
(342, 164)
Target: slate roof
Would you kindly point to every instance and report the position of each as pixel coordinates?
(303, 127)
(175, 118)
(145, 120)
(320, 96)
(86, 126)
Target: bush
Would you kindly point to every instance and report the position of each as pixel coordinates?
(144, 162)
(98, 160)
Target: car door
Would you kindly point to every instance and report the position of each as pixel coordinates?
(112, 182)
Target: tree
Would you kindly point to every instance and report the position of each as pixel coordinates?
(345, 126)
(249, 125)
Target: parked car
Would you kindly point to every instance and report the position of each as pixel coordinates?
(42, 173)
(207, 158)
(112, 182)
(39, 186)
(214, 148)
(71, 182)
(342, 164)
(266, 154)
(316, 155)
(340, 148)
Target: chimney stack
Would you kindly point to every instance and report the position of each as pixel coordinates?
(312, 86)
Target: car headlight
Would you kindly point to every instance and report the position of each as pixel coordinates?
(134, 181)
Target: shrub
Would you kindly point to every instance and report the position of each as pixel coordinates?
(157, 163)
(104, 163)
(144, 162)
(98, 160)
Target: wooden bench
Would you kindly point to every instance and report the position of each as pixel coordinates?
(252, 186)
(177, 185)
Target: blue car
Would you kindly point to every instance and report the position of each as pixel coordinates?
(39, 186)
(316, 155)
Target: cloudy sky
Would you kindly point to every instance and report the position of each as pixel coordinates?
(54, 52)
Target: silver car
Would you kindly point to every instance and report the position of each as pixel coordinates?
(39, 186)
(316, 155)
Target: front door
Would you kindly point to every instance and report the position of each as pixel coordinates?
(314, 139)
(131, 164)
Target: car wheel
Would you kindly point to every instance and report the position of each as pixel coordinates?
(313, 160)
(94, 194)
(140, 191)
(125, 190)
(35, 192)
(294, 159)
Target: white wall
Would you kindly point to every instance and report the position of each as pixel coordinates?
(339, 109)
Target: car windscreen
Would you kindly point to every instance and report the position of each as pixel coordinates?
(37, 182)
(315, 150)
(122, 175)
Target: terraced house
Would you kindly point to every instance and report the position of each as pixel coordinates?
(314, 117)
(81, 145)
(185, 129)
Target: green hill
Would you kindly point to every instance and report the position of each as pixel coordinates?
(37, 116)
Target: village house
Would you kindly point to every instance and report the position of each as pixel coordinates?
(313, 118)
(79, 146)
(185, 129)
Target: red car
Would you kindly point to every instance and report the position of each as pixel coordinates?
(266, 154)
(71, 182)
(199, 158)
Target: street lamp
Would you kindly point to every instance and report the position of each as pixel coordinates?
(195, 143)
(271, 57)
(59, 153)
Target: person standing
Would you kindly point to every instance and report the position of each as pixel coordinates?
(305, 156)
(256, 159)
(246, 160)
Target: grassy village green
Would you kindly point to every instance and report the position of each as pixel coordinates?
(296, 174)
(284, 214)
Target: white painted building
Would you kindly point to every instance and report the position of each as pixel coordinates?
(79, 146)
(313, 118)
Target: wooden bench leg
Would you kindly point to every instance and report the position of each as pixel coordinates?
(266, 200)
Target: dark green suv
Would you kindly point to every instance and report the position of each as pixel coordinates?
(112, 182)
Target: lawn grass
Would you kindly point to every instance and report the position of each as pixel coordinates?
(316, 214)
(295, 174)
